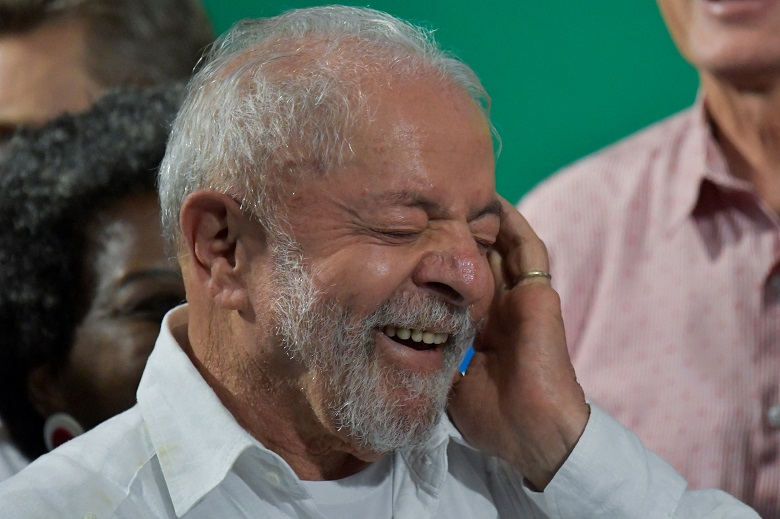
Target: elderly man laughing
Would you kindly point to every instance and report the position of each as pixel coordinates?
(329, 190)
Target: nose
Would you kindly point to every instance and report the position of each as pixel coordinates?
(455, 269)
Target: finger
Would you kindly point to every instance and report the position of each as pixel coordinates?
(496, 266)
(520, 247)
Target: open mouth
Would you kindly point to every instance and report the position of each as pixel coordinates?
(414, 338)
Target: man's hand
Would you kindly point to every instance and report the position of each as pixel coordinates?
(519, 399)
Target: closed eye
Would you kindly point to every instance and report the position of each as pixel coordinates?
(397, 235)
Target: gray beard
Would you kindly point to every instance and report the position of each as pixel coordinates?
(382, 408)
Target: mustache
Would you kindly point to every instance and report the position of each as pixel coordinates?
(420, 310)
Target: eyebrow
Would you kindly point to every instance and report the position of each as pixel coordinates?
(141, 275)
(492, 209)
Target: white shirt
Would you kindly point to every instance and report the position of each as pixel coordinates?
(369, 493)
(180, 453)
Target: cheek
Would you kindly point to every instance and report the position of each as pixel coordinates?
(105, 366)
(113, 347)
(480, 309)
(365, 277)
(677, 19)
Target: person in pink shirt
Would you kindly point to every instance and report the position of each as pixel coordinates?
(665, 250)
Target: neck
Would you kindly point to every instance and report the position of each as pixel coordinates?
(268, 398)
(747, 127)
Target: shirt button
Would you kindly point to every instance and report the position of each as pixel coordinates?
(273, 478)
(773, 416)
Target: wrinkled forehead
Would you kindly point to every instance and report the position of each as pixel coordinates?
(422, 143)
(401, 124)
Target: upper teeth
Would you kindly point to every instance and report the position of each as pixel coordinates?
(416, 335)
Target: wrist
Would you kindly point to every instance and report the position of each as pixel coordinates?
(551, 448)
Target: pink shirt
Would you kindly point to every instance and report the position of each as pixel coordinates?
(668, 271)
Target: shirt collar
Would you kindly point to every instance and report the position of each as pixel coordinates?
(195, 437)
(697, 160)
(198, 441)
(687, 167)
(428, 464)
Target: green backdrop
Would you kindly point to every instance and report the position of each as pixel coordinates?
(566, 77)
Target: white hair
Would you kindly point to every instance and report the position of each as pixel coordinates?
(280, 96)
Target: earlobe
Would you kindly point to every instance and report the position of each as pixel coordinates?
(212, 226)
(44, 391)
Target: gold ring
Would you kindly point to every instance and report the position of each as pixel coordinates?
(535, 274)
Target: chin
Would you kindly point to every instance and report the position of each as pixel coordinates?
(388, 410)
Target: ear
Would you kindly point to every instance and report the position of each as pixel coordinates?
(45, 392)
(215, 232)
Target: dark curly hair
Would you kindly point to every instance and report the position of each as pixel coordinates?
(53, 180)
